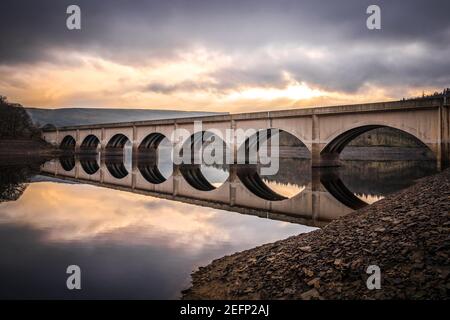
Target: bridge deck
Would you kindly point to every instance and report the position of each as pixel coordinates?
(299, 112)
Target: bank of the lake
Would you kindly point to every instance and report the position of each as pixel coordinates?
(407, 235)
(26, 147)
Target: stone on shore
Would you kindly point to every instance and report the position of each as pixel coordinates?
(407, 235)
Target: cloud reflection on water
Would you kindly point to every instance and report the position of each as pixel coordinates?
(128, 245)
(84, 213)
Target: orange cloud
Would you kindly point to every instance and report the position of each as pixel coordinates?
(84, 80)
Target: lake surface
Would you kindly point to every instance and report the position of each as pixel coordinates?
(133, 244)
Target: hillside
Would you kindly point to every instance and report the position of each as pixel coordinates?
(79, 116)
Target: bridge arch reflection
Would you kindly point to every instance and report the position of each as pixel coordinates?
(249, 176)
(233, 195)
(116, 167)
(332, 182)
(327, 194)
(67, 162)
(90, 164)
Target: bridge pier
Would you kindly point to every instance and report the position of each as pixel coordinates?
(315, 194)
(176, 177)
(319, 160)
(441, 153)
(102, 168)
(233, 181)
(444, 148)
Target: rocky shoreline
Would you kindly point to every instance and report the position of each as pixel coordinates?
(407, 235)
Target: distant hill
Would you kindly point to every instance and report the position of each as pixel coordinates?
(79, 116)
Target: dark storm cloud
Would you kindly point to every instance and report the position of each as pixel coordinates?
(266, 74)
(225, 79)
(182, 86)
(129, 31)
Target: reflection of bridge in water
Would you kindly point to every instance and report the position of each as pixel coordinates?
(323, 197)
(322, 134)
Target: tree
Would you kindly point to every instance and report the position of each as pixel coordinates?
(15, 123)
(13, 182)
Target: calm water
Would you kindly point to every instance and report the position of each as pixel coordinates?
(131, 245)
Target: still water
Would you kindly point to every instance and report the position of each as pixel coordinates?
(134, 245)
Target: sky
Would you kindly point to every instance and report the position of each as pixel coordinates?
(208, 55)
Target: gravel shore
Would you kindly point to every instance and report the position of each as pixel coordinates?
(407, 235)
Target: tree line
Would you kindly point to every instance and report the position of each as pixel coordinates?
(15, 122)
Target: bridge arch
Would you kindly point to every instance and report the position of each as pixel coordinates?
(340, 140)
(151, 141)
(287, 126)
(248, 173)
(90, 142)
(117, 154)
(149, 156)
(261, 136)
(68, 143)
(200, 176)
(201, 139)
(119, 140)
(334, 145)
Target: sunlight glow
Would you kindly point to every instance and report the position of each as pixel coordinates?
(294, 91)
(196, 79)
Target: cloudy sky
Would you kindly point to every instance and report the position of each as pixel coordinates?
(235, 56)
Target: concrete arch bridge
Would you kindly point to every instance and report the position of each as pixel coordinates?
(325, 131)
